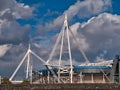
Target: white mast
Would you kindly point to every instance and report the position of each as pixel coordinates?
(31, 74)
(61, 50)
(28, 63)
(69, 49)
(28, 70)
(16, 70)
(65, 31)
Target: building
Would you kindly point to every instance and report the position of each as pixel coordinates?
(81, 74)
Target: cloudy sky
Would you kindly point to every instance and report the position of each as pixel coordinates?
(96, 23)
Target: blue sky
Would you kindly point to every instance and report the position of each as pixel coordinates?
(96, 23)
(47, 11)
(58, 7)
(44, 11)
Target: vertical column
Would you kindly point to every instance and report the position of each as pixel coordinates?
(31, 75)
(0, 80)
(48, 77)
(92, 77)
(113, 79)
(81, 77)
(119, 70)
(43, 80)
(69, 50)
(61, 50)
(103, 79)
(112, 74)
(28, 64)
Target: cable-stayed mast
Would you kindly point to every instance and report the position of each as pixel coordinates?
(65, 33)
(69, 48)
(28, 64)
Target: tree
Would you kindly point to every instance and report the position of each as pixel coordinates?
(5, 80)
(25, 82)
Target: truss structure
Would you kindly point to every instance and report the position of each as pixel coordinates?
(29, 64)
(66, 29)
(65, 32)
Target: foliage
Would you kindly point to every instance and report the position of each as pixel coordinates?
(5, 80)
(25, 82)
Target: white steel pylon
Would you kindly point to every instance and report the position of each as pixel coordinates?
(60, 39)
(69, 48)
(29, 64)
(65, 28)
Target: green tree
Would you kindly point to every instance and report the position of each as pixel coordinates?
(5, 80)
(25, 82)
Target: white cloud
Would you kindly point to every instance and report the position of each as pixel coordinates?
(93, 7)
(81, 9)
(10, 30)
(64, 62)
(22, 11)
(102, 31)
(75, 27)
(4, 49)
(99, 37)
(51, 13)
(81, 38)
(98, 33)
(13, 9)
(14, 34)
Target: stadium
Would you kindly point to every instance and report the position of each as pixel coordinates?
(102, 72)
